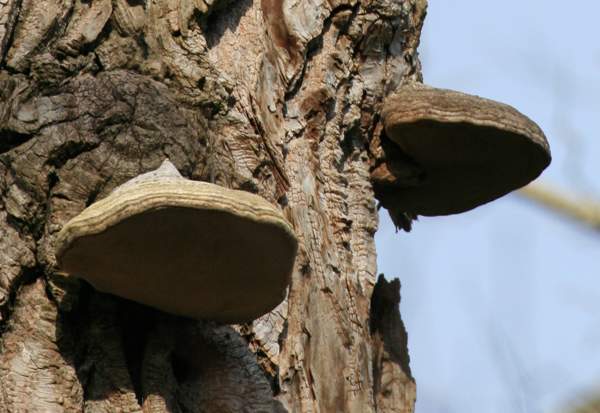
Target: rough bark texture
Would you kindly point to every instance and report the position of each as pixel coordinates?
(275, 97)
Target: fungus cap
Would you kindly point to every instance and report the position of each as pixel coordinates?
(472, 150)
(186, 247)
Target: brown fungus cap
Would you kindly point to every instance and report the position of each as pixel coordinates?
(186, 247)
(472, 150)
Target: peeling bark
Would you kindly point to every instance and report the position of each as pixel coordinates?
(273, 97)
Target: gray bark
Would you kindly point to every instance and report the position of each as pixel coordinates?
(274, 97)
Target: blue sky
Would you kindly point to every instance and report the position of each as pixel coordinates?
(502, 303)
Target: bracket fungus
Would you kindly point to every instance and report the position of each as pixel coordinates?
(186, 247)
(470, 151)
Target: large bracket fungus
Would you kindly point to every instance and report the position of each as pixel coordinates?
(469, 151)
(185, 247)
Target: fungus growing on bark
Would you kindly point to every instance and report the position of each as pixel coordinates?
(467, 150)
(185, 247)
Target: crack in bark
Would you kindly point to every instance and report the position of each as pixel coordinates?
(28, 275)
(313, 47)
(10, 139)
(135, 322)
(69, 150)
(11, 24)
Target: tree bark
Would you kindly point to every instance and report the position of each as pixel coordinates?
(274, 97)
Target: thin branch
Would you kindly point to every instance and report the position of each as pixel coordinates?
(582, 209)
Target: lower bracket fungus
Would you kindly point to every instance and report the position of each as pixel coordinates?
(467, 150)
(186, 247)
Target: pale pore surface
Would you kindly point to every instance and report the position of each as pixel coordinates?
(202, 264)
(185, 247)
(473, 150)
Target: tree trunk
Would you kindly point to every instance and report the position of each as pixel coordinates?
(273, 97)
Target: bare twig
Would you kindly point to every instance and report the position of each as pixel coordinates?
(582, 209)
